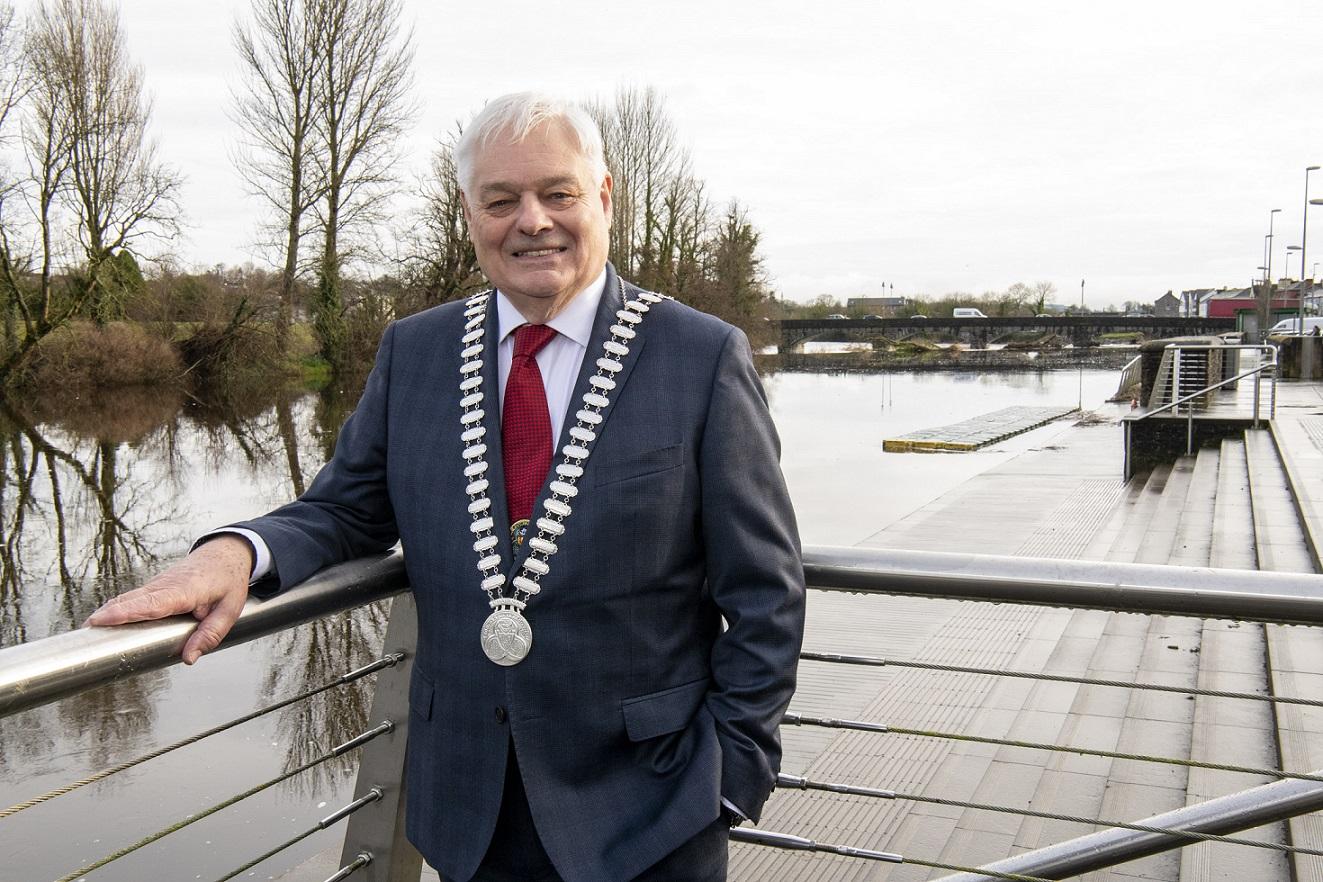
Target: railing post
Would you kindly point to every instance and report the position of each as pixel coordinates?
(1176, 377)
(379, 829)
(1258, 382)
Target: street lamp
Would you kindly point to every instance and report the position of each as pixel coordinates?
(1304, 240)
(1287, 272)
(1271, 218)
(1265, 311)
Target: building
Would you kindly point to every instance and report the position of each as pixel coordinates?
(1168, 305)
(878, 305)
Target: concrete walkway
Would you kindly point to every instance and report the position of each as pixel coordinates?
(1063, 499)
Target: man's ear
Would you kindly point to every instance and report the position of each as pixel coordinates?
(607, 185)
(468, 212)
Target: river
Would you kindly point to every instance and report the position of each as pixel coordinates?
(101, 494)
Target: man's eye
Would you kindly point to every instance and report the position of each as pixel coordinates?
(498, 204)
(561, 197)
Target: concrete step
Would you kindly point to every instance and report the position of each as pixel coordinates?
(1279, 540)
(1137, 517)
(1232, 657)
(1295, 663)
(1233, 519)
(1299, 438)
(1295, 655)
(1155, 545)
(1159, 724)
(1192, 546)
(1101, 541)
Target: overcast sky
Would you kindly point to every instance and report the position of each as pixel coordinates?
(935, 146)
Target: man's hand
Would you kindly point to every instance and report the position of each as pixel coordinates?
(211, 584)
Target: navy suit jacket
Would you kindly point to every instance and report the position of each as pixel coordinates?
(637, 710)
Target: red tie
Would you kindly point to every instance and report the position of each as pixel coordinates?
(525, 423)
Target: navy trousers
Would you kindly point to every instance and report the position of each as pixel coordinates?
(516, 854)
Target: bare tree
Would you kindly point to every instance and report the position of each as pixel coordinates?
(1039, 298)
(646, 163)
(440, 263)
(13, 83)
(362, 107)
(117, 189)
(275, 106)
(87, 157)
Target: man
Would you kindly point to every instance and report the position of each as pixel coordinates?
(579, 712)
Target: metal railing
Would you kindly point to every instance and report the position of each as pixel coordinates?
(375, 848)
(1130, 378)
(1174, 352)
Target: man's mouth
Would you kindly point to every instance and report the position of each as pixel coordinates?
(539, 252)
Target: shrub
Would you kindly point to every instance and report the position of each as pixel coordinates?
(83, 357)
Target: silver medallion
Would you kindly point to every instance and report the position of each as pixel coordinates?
(506, 637)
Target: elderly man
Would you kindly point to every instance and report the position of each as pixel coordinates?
(608, 623)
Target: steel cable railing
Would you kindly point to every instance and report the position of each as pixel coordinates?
(340, 750)
(795, 782)
(875, 661)
(342, 680)
(361, 860)
(789, 841)
(794, 719)
(330, 820)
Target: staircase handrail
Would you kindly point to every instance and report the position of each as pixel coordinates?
(1271, 363)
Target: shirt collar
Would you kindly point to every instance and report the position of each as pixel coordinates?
(574, 321)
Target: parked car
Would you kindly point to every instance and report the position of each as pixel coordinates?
(1313, 325)
(918, 317)
(967, 312)
(871, 316)
(835, 315)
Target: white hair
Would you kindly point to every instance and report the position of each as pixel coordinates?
(518, 114)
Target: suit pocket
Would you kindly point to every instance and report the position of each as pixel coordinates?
(659, 713)
(420, 695)
(638, 464)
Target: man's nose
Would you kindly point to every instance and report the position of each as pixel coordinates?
(533, 217)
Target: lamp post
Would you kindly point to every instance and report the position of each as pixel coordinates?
(1304, 240)
(1271, 218)
(1265, 310)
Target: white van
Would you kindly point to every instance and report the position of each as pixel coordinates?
(1313, 325)
(967, 312)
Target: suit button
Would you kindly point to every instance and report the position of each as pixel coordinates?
(500, 714)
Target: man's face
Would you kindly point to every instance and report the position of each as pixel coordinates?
(538, 219)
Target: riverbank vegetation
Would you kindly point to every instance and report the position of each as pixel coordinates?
(92, 297)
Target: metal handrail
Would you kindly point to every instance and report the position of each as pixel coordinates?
(32, 674)
(1271, 363)
(1130, 376)
(1256, 372)
(1106, 848)
(36, 673)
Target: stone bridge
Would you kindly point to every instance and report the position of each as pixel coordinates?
(978, 333)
